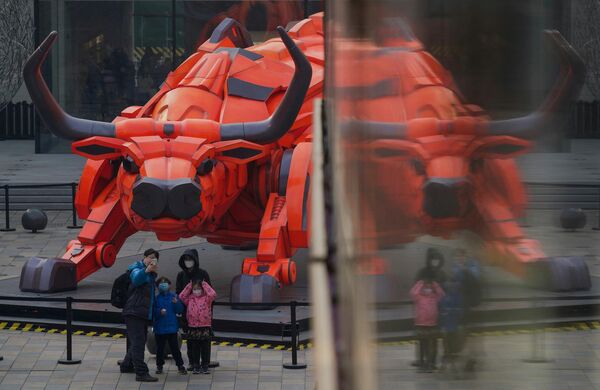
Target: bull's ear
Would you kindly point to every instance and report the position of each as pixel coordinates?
(388, 149)
(500, 147)
(99, 148)
(238, 151)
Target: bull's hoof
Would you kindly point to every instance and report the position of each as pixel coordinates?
(48, 275)
(564, 273)
(254, 289)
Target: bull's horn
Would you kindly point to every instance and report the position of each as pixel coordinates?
(274, 127)
(58, 121)
(565, 90)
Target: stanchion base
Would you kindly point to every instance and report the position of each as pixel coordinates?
(294, 366)
(539, 360)
(69, 362)
(8, 230)
(74, 227)
(214, 364)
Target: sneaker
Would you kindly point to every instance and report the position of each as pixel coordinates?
(182, 370)
(159, 370)
(190, 368)
(196, 370)
(205, 370)
(146, 378)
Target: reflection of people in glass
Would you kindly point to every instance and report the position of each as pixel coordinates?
(451, 317)
(426, 294)
(467, 273)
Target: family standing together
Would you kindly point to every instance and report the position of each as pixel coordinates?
(443, 306)
(148, 299)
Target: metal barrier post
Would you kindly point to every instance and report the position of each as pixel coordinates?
(538, 347)
(598, 226)
(73, 189)
(7, 227)
(294, 365)
(69, 359)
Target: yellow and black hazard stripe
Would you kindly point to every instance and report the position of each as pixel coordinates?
(117, 334)
(282, 346)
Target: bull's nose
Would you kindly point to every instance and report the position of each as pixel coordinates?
(155, 198)
(184, 198)
(149, 198)
(442, 197)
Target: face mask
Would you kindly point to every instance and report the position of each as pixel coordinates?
(188, 263)
(197, 292)
(163, 287)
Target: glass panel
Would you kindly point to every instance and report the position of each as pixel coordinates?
(426, 170)
(114, 54)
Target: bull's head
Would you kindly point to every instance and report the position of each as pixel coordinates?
(446, 153)
(170, 169)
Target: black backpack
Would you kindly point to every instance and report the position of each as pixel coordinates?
(120, 290)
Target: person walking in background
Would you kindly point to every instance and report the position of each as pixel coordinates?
(190, 270)
(137, 312)
(166, 306)
(198, 297)
(426, 295)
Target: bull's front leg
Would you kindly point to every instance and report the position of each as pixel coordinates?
(262, 276)
(507, 245)
(96, 246)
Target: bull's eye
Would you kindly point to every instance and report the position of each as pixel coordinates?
(418, 167)
(130, 166)
(475, 165)
(205, 167)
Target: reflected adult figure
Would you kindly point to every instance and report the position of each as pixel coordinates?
(434, 267)
(467, 272)
(137, 313)
(190, 272)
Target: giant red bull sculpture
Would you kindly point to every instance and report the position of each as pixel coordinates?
(221, 151)
(440, 165)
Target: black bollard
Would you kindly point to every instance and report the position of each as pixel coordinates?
(294, 365)
(69, 359)
(73, 189)
(7, 227)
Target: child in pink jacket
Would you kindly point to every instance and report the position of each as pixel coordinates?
(426, 294)
(198, 297)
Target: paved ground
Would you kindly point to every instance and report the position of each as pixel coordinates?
(30, 362)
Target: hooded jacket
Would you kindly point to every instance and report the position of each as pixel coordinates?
(185, 275)
(426, 299)
(431, 272)
(141, 292)
(198, 307)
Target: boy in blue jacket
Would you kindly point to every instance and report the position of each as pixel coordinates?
(166, 307)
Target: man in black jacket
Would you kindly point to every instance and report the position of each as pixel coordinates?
(190, 271)
(137, 313)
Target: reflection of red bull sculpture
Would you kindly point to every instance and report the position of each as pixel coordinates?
(439, 165)
(222, 151)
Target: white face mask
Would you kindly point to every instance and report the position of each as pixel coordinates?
(197, 292)
(188, 263)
